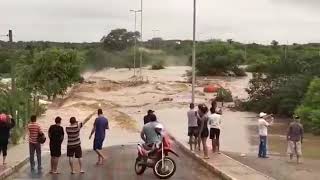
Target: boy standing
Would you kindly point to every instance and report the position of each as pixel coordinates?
(74, 143)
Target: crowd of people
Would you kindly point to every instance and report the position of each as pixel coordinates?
(203, 124)
(56, 135)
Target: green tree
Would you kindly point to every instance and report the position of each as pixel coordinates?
(50, 72)
(274, 43)
(119, 39)
(309, 110)
(217, 59)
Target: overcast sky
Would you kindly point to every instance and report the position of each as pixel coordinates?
(88, 20)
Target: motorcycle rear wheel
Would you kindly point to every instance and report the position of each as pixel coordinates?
(139, 167)
(164, 173)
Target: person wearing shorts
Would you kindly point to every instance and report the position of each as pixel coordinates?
(56, 136)
(192, 127)
(74, 151)
(214, 124)
(74, 143)
(99, 130)
(6, 124)
(295, 137)
(204, 131)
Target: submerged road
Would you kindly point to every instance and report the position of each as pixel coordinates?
(119, 165)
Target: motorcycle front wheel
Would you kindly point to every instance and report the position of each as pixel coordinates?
(139, 166)
(167, 171)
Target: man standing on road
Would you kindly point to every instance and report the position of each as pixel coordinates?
(34, 130)
(146, 118)
(263, 133)
(192, 127)
(74, 143)
(99, 130)
(295, 137)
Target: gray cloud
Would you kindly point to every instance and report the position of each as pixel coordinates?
(242, 20)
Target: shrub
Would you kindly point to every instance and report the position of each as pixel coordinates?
(309, 110)
(224, 95)
(16, 135)
(239, 71)
(216, 60)
(158, 65)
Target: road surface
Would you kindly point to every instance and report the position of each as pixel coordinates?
(118, 166)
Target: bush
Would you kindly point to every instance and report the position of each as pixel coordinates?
(239, 71)
(216, 60)
(224, 95)
(16, 135)
(158, 65)
(309, 110)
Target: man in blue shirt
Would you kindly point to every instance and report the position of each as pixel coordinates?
(99, 130)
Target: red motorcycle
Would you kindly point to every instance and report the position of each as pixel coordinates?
(158, 159)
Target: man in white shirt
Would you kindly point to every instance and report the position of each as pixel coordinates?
(263, 133)
(214, 124)
(192, 126)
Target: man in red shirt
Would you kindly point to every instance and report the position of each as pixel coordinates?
(34, 146)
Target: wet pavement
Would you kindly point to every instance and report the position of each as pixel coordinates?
(235, 136)
(134, 101)
(119, 165)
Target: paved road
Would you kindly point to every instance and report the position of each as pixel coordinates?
(119, 165)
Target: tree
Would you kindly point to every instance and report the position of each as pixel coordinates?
(274, 43)
(309, 110)
(119, 39)
(217, 59)
(50, 72)
(230, 41)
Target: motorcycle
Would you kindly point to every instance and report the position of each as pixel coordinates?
(158, 159)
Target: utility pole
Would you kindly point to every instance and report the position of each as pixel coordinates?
(194, 52)
(13, 79)
(135, 40)
(10, 36)
(141, 41)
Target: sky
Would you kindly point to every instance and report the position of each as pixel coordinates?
(260, 21)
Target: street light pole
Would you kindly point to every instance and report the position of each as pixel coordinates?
(141, 40)
(135, 40)
(194, 52)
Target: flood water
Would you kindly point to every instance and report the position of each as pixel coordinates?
(125, 105)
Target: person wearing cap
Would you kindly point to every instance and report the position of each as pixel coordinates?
(263, 125)
(146, 118)
(295, 137)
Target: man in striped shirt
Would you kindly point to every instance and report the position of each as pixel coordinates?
(34, 146)
(74, 143)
